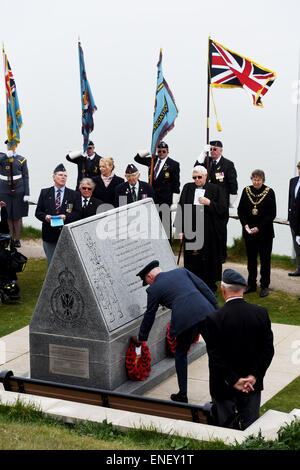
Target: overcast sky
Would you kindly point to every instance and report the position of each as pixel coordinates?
(121, 42)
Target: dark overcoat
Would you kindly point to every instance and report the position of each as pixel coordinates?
(239, 342)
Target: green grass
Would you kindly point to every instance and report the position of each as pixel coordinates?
(286, 400)
(29, 232)
(25, 427)
(16, 315)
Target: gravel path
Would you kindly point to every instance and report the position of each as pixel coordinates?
(279, 277)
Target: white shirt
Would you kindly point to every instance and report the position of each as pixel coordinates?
(233, 298)
(297, 187)
(136, 188)
(83, 199)
(162, 161)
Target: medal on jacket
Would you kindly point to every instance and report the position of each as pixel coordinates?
(262, 196)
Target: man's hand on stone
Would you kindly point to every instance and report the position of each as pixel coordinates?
(134, 339)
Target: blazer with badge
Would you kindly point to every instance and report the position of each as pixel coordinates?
(239, 343)
(70, 207)
(91, 208)
(86, 169)
(294, 206)
(123, 189)
(168, 181)
(223, 175)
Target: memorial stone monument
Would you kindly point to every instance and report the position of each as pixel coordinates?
(92, 302)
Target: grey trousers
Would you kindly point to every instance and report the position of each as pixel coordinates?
(49, 249)
(297, 249)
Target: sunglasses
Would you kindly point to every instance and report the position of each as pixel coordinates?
(197, 177)
(86, 188)
(214, 149)
(162, 151)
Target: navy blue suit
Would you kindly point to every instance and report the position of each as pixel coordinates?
(190, 301)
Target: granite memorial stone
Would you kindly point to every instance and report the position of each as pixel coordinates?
(92, 302)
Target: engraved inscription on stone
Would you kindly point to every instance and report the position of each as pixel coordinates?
(113, 248)
(64, 360)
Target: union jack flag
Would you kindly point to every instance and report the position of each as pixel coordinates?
(228, 69)
(14, 117)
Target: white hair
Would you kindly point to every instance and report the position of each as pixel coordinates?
(233, 287)
(200, 169)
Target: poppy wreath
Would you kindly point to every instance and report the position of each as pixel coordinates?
(172, 342)
(138, 367)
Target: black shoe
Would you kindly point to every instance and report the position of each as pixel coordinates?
(296, 273)
(17, 244)
(264, 292)
(179, 397)
(250, 289)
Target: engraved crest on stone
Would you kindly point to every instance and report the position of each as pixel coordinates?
(66, 301)
(103, 282)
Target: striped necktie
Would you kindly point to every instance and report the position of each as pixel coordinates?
(133, 193)
(156, 168)
(57, 200)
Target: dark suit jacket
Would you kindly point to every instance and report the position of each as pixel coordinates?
(224, 176)
(185, 294)
(167, 182)
(123, 189)
(86, 169)
(294, 206)
(71, 207)
(91, 208)
(106, 194)
(239, 342)
(263, 220)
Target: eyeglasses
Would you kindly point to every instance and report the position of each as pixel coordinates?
(162, 151)
(197, 177)
(86, 188)
(213, 148)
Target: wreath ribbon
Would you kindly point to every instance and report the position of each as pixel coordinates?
(138, 366)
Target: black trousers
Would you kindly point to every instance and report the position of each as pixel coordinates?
(263, 248)
(183, 344)
(238, 412)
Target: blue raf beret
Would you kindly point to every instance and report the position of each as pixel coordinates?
(162, 145)
(131, 169)
(216, 143)
(147, 269)
(230, 276)
(59, 167)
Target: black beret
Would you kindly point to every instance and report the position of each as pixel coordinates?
(216, 143)
(91, 144)
(59, 167)
(147, 269)
(162, 145)
(230, 276)
(131, 168)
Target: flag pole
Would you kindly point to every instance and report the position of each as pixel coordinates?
(207, 108)
(153, 156)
